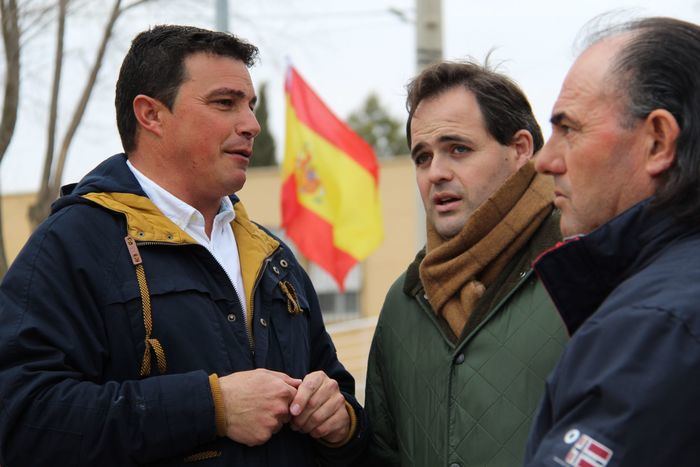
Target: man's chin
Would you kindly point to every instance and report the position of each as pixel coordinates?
(237, 183)
(570, 228)
(447, 230)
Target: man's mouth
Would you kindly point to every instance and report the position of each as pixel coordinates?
(559, 199)
(240, 152)
(446, 201)
(558, 194)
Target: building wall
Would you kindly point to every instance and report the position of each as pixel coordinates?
(15, 222)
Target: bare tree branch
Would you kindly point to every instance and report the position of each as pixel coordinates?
(133, 4)
(35, 19)
(55, 169)
(40, 209)
(10, 35)
(53, 106)
(79, 111)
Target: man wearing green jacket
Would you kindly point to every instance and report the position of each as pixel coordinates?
(467, 335)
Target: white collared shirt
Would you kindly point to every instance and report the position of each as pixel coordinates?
(222, 244)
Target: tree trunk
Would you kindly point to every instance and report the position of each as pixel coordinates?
(50, 187)
(40, 209)
(11, 37)
(79, 111)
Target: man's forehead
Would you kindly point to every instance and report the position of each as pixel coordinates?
(204, 64)
(597, 61)
(218, 72)
(589, 80)
(455, 106)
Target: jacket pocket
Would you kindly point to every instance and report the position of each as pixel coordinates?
(192, 327)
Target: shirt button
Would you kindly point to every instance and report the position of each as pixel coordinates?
(460, 359)
(263, 322)
(455, 464)
(231, 317)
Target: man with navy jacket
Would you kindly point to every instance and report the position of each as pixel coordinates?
(625, 157)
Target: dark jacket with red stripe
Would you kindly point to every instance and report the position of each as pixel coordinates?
(625, 392)
(74, 337)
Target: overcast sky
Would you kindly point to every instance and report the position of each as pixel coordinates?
(345, 50)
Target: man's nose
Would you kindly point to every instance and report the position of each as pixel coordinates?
(549, 159)
(248, 126)
(440, 169)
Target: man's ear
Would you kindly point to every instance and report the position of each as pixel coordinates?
(524, 147)
(663, 130)
(148, 113)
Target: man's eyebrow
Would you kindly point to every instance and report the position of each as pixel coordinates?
(416, 149)
(442, 139)
(236, 94)
(453, 138)
(557, 118)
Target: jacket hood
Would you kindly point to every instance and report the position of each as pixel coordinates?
(113, 186)
(110, 176)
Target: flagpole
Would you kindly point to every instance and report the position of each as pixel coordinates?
(222, 15)
(428, 33)
(428, 51)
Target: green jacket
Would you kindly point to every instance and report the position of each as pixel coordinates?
(432, 402)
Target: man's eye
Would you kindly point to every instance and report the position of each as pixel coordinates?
(421, 159)
(461, 149)
(224, 102)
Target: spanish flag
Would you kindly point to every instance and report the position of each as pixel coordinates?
(330, 190)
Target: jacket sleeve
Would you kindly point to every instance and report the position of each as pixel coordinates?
(623, 394)
(324, 357)
(55, 406)
(383, 446)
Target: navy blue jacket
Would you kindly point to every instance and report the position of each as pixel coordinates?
(86, 381)
(626, 390)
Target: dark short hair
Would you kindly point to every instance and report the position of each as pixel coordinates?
(658, 67)
(503, 104)
(154, 66)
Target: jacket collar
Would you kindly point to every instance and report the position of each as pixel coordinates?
(580, 272)
(412, 283)
(111, 176)
(113, 186)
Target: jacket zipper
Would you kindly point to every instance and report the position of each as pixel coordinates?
(251, 342)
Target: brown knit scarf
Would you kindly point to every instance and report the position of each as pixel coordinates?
(456, 272)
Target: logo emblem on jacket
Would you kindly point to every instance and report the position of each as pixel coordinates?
(586, 451)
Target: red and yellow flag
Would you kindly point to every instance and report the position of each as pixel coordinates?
(330, 191)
